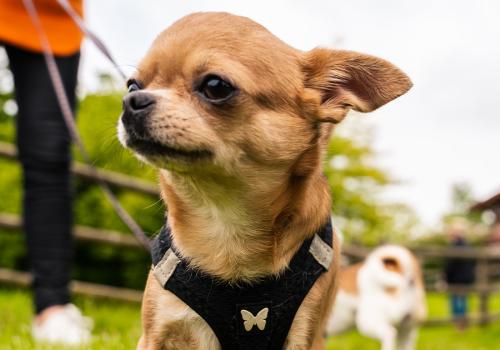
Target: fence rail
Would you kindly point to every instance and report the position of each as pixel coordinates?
(23, 279)
(81, 233)
(112, 178)
(485, 256)
(429, 252)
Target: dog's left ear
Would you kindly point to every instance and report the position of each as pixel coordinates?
(336, 81)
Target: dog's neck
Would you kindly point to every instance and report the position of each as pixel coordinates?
(239, 232)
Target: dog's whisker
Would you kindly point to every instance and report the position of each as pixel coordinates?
(158, 204)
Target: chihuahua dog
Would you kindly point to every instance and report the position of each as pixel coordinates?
(236, 121)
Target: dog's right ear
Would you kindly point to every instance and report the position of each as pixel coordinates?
(336, 81)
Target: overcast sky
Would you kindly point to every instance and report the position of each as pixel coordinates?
(445, 130)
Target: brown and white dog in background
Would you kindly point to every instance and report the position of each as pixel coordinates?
(383, 297)
(237, 121)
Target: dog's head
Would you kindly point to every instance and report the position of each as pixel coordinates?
(393, 268)
(218, 92)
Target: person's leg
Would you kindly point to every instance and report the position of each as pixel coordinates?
(463, 305)
(452, 305)
(407, 337)
(460, 305)
(44, 151)
(459, 309)
(370, 322)
(464, 323)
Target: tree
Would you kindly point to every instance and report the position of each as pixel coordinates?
(356, 184)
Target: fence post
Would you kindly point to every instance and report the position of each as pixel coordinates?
(482, 282)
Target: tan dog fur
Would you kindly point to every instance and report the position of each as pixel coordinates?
(243, 212)
(348, 278)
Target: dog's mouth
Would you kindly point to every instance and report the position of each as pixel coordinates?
(155, 149)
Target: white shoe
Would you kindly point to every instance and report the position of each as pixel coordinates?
(68, 327)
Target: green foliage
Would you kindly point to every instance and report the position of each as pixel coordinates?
(13, 248)
(6, 120)
(462, 198)
(475, 224)
(97, 119)
(356, 184)
(98, 263)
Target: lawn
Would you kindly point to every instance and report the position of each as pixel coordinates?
(117, 326)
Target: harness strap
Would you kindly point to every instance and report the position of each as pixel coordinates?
(245, 316)
(321, 252)
(166, 267)
(319, 249)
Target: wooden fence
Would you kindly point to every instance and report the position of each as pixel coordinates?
(487, 258)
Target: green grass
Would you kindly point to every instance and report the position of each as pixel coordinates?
(117, 326)
(439, 338)
(438, 304)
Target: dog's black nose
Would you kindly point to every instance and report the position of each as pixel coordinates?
(137, 102)
(137, 106)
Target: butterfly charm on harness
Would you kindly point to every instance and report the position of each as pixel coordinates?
(250, 320)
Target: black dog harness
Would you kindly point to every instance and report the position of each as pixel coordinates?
(244, 317)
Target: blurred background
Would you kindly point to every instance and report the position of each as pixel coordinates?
(403, 174)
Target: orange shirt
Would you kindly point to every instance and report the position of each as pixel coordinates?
(17, 29)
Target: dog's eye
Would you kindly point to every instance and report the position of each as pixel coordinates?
(133, 85)
(215, 89)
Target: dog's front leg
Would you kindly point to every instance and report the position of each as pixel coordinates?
(378, 329)
(387, 336)
(407, 337)
(319, 343)
(168, 323)
(142, 344)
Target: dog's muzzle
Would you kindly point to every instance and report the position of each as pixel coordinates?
(137, 107)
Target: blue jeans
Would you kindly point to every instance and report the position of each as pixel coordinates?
(458, 305)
